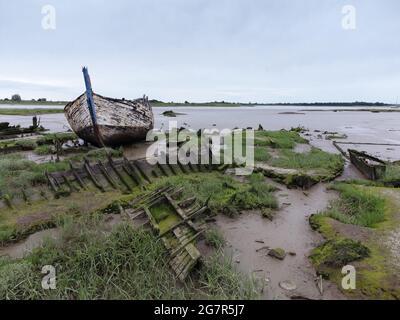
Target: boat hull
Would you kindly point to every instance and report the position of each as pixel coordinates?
(371, 167)
(118, 121)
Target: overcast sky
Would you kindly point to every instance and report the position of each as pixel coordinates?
(203, 50)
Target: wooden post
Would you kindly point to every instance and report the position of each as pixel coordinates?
(91, 175)
(112, 164)
(106, 174)
(76, 175)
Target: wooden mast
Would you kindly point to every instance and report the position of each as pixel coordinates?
(91, 105)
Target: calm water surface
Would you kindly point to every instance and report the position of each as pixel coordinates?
(383, 127)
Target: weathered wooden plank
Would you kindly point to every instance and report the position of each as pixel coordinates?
(187, 268)
(141, 171)
(177, 261)
(192, 168)
(130, 173)
(182, 221)
(183, 169)
(92, 177)
(107, 175)
(171, 168)
(184, 244)
(69, 184)
(120, 176)
(134, 174)
(151, 218)
(180, 212)
(183, 266)
(51, 182)
(163, 171)
(76, 175)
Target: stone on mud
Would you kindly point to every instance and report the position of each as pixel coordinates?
(288, 285)
(277, 253)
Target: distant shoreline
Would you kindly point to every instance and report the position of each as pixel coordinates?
(18, 110)
(156, 103)
(31, 102)
(28, 112)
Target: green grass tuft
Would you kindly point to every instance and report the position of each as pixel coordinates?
(316, 158)
(357, 205)
(226, 194)
(338, 253)
(122, 264)
(278, 139)
(44, 150)
(214, 238)
(17, 173)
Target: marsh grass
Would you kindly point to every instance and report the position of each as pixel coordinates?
(225, 194)
(98, 154)
(50, 138)
(285, 157)
(278, 139)
(357, 205)
(261, 154)
(18, 173)
(219, 280)
(214, 238)
(315, 159)
(28, 112)
(121, 264)
(44, 150)
(392, 174)
(25, 144)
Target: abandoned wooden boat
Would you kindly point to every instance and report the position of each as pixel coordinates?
(104, 121)
(371, 167)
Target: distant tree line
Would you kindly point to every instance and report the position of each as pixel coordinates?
(17, 98)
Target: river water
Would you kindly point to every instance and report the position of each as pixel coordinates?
(359, 126)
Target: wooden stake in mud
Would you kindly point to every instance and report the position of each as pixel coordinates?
(155, 174)
(131, 172)
(76, 175)
(25, 196)
(51, 182)
(68, 183)
(191, 167)
(182, 167)
(164, 173)
(210, 157)
(107, 175)
(88, 169)
(112, 164)
(141, 171)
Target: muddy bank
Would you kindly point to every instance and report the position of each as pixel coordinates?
(289, 230)
(24, 247)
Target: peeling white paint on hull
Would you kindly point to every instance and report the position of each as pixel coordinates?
(119, 121)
